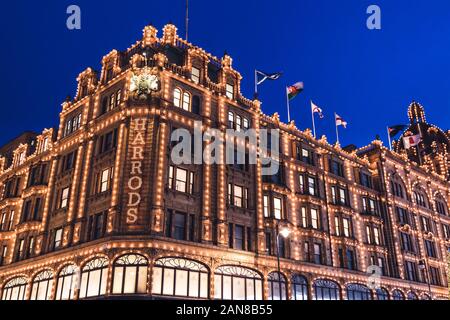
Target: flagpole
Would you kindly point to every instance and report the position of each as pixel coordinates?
(337, 131)
(256, 83)
(288, 106)
(389, 137)
(313, 122)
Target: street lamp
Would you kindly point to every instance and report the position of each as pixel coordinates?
(423, 268)
(284, 232)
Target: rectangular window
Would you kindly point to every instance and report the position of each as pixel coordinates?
(301, 183)
(431, 249)
(238, 196)
(3, 255)
(337, 168)
(317, 253)
(105, 180)
(304, 221)
(411, 271)
(426, 224)
(351, 265)
(307, 156)
(3, 221)
(239, 237)
(64, 198)
(57, 242)
(229, 91)
(195, 75)
(365, 180)
(346, 227)
(269, 243)
(312, 186)
(277, 208)
(435, 278)
(181, 180)
(266, 206)
(306, 250)
(314, 218)
(337, 226)
(376, 236)
(369, 234)
(20, 249)
(238, 123)
(11, 220)
(179, 226)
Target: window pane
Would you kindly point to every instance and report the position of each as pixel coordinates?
(193, 284)
(226, 287)
(168, 281)
(130, 279)
(117, 282)
(204, 284)
(142, 280)
(157, 280)
(238, 288)
(181, 283)
(217, 286)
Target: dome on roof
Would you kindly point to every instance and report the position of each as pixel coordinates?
(434, 145)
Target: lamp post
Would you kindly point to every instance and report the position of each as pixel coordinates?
(284, 232)
(423, 268)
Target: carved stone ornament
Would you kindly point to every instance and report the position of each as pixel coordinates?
(145, 83)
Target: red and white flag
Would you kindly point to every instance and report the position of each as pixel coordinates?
(316, 109)
(340, 121)
(411, 141)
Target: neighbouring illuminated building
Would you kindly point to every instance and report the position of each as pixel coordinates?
(97, 209)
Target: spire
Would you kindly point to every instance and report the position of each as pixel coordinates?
(416, 113)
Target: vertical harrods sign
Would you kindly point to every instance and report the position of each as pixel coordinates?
(135, 195)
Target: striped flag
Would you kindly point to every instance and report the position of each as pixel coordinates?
(294, 90)
(340, 121)
(316, 109)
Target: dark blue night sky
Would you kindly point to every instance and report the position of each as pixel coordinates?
(368, 77)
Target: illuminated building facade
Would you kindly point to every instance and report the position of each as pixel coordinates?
(97, 209)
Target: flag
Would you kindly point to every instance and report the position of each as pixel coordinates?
(394, 130)
(340, 121)
(411, 141)
(294, 90)
(316, 109)
(267, 76)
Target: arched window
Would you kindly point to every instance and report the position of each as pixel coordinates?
(94, 277)
(130, 274)
(397, 295)
(326, 290)
(299, 287)
(177, 97)
(441, 206)
(425, 297)
(15, 289)
(358, 292)
(186, 101)
(412, 296)
(180, 277)
(67, 282)
(382, 294)
(397, 188)
(420, 197)
(42, 286)
(237, 283)
(277, 286)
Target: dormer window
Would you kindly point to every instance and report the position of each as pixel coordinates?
(109, 74)
(22, 156)
(195, 75)
(229, 91)
(112, 101)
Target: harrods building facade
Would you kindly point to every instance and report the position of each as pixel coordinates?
(96, 208)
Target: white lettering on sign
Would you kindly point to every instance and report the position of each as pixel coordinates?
(135, 181)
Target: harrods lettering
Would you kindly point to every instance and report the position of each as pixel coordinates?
(135, 181)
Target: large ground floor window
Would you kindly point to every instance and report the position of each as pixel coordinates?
(237, 283)
(130, 274)
(94, 277)
(299, 287)
(42, 286)
(67, 282)
(180, 277)
(15, 289)
(358, 292)
(277, 286)
(325, 289)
